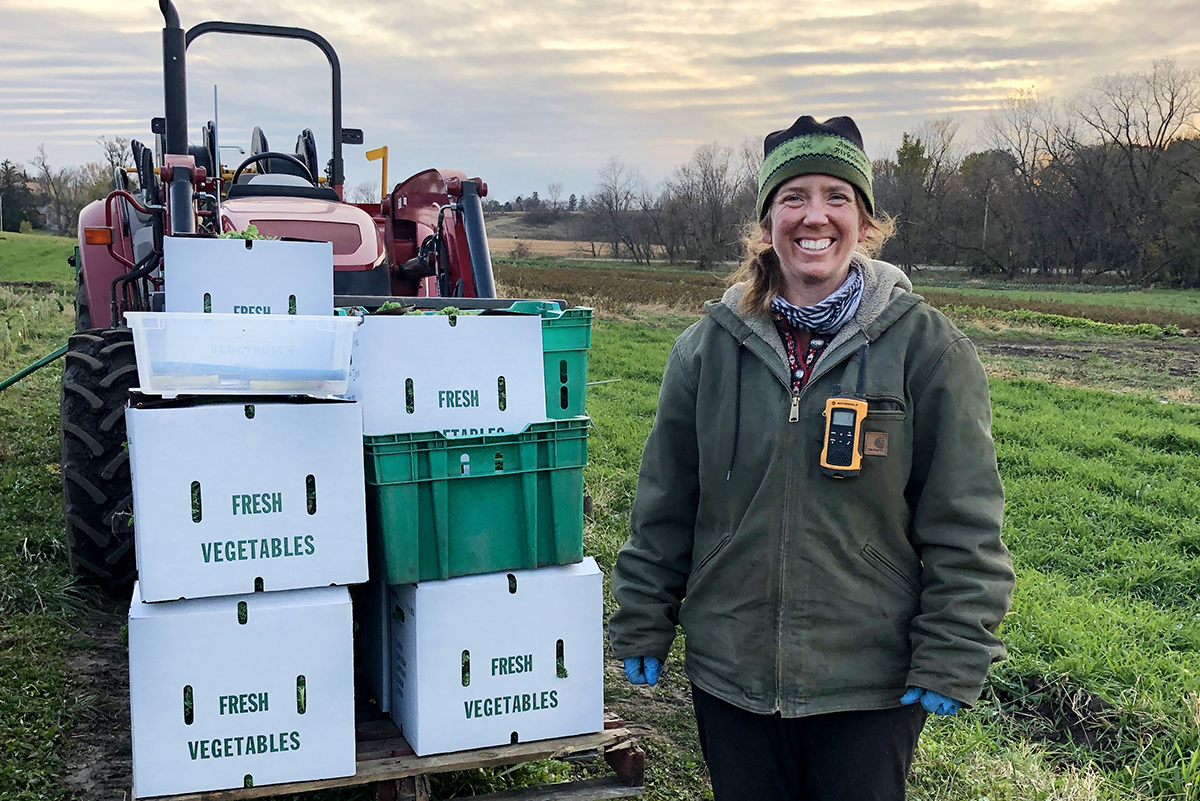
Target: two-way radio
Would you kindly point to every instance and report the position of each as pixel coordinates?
(841, 456)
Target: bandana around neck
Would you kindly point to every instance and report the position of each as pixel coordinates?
(828, 316)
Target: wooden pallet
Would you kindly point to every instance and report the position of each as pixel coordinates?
(386, 761)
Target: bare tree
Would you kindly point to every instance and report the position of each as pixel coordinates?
(366, 192)
(612, 203)
(63, 192)
(554, 192)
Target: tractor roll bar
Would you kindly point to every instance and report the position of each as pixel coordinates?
(280, 32)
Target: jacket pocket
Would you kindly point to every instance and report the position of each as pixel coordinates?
(890, 571)
(885, 407)
(700, 566)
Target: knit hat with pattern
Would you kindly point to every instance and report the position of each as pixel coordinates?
(833, 147)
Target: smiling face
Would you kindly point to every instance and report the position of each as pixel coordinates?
(814, 227)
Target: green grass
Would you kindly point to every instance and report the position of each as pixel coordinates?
(36, 257)
(1178, 300)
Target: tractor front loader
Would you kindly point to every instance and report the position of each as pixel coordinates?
(425, 239)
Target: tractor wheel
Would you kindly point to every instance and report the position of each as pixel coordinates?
(98, 372)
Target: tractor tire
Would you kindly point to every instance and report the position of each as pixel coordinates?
(98, 372)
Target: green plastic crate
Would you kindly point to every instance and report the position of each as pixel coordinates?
(457, 507)
(566, 338)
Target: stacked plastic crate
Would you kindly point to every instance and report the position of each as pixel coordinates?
(248, 506)
(483, 623)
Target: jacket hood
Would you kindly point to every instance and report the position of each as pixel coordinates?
(887, 295)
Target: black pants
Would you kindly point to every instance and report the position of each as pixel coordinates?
(843, 756)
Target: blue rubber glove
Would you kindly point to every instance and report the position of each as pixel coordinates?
(642, 670)
(935, 703)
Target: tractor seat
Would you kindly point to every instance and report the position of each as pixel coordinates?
(279, 185)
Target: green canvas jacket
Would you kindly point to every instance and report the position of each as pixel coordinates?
(800, 593)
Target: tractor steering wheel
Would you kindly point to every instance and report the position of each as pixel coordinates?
(270, 154)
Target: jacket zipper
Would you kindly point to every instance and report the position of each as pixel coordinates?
(849, 346)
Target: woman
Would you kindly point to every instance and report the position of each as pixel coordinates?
(825, 610)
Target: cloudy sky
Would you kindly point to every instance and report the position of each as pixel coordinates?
(529, 93)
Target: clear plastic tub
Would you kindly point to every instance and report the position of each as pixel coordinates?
(223, 354)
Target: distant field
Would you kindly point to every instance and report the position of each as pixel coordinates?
(502, 247)
(506, 225)
(36, 257)
(1186, 301)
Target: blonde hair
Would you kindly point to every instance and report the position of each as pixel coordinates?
(760, 264)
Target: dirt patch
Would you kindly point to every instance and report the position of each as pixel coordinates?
(28, 284)
(100, 755)
(1177, 357)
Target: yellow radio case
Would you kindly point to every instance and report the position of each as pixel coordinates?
(841, 454)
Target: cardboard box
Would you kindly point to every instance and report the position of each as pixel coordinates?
(417, 372)
(233, 497)
(476, 660)
(254, 688)
(236, 276)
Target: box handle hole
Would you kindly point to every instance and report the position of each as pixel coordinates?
(453, 320)
(398, 614)
(464, 464)
(501, 393)
(189, 706)
(197, 511)
(563, 399)
(408, 396)
(562, 371)
(243, 612)
(499, 461)
(466, 668)
(207, 303)
(248, 781)
(291, 304)
(512, 583)
(301, 695)
(249, 244)
(512, 739)
(258, 584)
(249, 411)
(310, 493)
(560, 663)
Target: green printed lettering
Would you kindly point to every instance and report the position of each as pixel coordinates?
(272, 742)
(204, 749)
(525, 702)
(478, 708)
(206, 549)
(487, 707)
(217, 552)
(230, 552)
(235, 505)
(254, 504)
(277, 502)
(194, 747)
(276, 548)
(528, 663)
(553, 698)
(283, 741)
(262, 743)
(263, 551)
(441, 398)
(507, 707)
(286, 543)
(228, 746)
(262, 702)
(512, 665)
(250, 749)
(241, 704)
(239, 742)
(295, 737)
(544, 694)
(216, 749)
(474, 397)
(494, 661)
(252, 543)
(241, 550)
(245, 504)
(222, 705)
(309, 548)
(296, 542)
(467, 709)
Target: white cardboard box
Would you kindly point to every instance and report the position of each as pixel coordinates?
(455, 373)
(221, 498)
(504, 645)
(247, 276)
(242, 680)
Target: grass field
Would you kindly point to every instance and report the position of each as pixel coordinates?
(1100, 696)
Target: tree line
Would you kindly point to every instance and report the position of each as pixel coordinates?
(42, 196)
(1105, 184)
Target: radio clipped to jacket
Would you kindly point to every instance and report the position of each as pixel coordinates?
(841, 453)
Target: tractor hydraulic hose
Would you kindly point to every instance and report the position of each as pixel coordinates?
(477, 244)
(146, 266)
(39, 364)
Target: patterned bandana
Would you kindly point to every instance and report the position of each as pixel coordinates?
(828, 316)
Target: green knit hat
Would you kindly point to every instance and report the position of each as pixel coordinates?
(833, 147)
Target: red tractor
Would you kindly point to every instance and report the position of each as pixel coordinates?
(425, 239)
